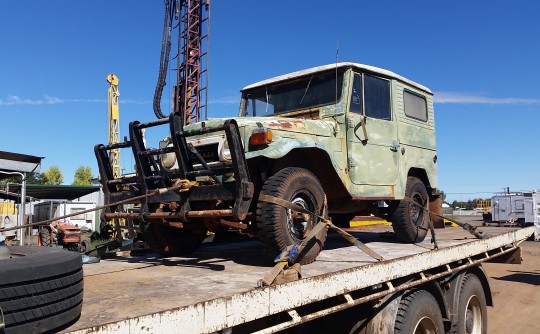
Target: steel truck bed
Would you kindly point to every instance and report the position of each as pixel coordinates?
(216, 288)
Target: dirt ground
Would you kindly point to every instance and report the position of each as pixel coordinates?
(515, 289)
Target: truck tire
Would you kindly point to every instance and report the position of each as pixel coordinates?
(277, 229)
(41, 289)
(410, 223)
(472, 310)
(419, 313)
(171, 241)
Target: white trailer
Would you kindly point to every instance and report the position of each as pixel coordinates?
(415, 289)
(49, 209)
(507, 208)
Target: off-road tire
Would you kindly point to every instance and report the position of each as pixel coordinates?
(170, 241)
(418, 313)
(276, 230)
(41, 289)
(472, 309)
(45, 237)
(410, 222)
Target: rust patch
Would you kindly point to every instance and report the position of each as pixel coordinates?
(287, 124)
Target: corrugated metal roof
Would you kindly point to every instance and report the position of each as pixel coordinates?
(47, 191)
(16, 162)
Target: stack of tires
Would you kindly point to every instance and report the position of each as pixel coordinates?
(41, 289)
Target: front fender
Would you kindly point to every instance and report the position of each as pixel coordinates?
(282, 147)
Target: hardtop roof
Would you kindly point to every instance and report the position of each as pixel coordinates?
(375, 70)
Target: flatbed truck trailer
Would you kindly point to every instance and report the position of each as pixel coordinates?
(415, 289)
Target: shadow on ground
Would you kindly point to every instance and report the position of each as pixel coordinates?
(532, 278)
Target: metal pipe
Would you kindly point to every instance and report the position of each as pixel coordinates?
(23, 206)
(162, 215)
(22, 210)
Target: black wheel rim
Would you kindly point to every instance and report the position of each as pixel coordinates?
(416, 209)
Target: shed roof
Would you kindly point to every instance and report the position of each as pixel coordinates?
(16, 162)
(47, 191)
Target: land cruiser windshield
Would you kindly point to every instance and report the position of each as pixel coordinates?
(313, 91)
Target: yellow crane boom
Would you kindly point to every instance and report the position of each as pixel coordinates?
(114, 124)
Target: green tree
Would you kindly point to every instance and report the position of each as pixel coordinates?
(53, 176)
(83, 176)
(443, 195)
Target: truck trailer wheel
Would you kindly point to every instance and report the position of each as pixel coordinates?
(418, 313)
(41, 289)
(171, 241)
(280, 227)
(472, 310)
(410, 222)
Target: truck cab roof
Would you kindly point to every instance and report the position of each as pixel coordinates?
(361, 67)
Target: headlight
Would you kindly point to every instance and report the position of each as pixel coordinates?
(225, 152)
(168, 160)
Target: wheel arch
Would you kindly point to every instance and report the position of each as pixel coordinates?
(437, 292)
(303, 157)
(421, 174)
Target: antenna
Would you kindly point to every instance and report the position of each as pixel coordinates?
(337, 58)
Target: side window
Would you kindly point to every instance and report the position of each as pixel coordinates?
(415, 106)
(372, 96)
(377, 97)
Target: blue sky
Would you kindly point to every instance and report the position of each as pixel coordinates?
(480, 58)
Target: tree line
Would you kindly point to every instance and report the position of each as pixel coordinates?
(470, 204)
(53, 176)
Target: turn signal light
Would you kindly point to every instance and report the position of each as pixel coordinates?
(261, 136)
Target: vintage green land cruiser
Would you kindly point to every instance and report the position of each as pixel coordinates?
(339, 140)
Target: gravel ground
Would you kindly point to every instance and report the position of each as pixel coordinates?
(515, 289)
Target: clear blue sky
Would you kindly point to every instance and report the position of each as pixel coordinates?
(480, 58)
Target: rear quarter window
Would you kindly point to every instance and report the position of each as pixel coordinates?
(415, 105)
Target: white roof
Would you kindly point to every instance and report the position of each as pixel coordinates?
(372, 69)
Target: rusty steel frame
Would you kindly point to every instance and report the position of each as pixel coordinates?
(151, 175)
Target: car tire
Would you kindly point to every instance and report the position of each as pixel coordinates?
(410, 222)
(277, 228)
(41, 289)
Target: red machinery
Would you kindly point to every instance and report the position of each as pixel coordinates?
(62, 234)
